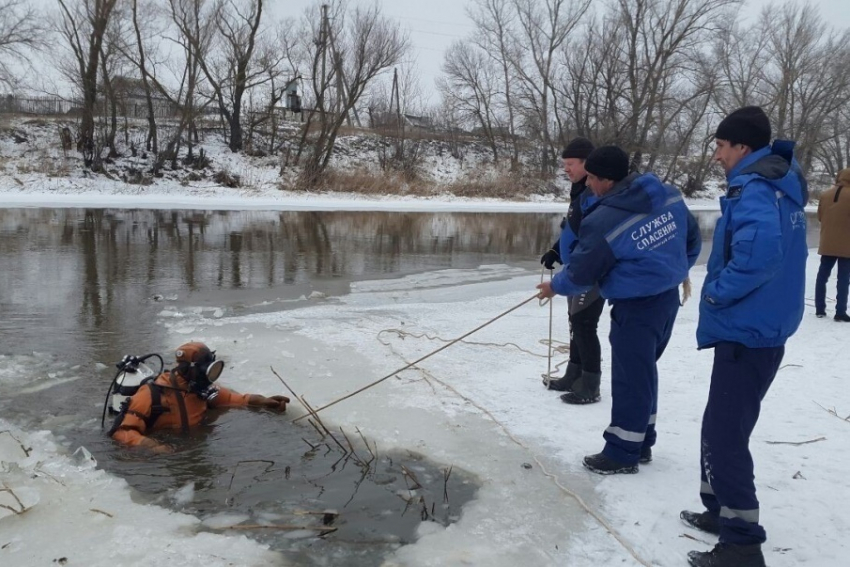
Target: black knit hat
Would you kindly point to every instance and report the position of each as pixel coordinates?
(748, 125)
(608, 162)
(578, 148)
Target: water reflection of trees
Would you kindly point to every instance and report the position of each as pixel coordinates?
(262, 249)
(106, 261)
(88, 273)
(250, 249)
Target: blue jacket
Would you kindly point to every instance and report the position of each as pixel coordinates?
(637, 240)
(754, 289)
(581, 200)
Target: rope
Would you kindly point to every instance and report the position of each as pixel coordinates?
(548, 376)
(417, 361)
(564, 348)
(402, 334)
(593, 513)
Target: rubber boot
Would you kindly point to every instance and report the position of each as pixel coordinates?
(585, 389)
(565, 384)
(727, 555)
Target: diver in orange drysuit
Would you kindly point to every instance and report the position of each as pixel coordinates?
(180, 398)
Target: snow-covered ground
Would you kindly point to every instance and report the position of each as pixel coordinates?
(34, 170)
(479, 406)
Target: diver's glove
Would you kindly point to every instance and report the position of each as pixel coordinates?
(282, 401)
(550, 258)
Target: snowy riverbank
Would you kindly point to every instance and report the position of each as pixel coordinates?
(480, 407)
(35, 171)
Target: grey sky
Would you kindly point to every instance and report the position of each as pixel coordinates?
(435, 24)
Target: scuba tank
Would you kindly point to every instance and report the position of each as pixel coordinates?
(132, 374)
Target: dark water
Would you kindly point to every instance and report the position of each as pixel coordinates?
(84, 286)
(80, 282)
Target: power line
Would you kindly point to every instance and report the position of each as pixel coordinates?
(442, 23)
(438, 33)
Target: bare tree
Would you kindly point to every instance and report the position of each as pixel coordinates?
(392, 104)
(20, 32)
(343, 62)
(495, 21)
(591, 86)
(152, 140)
(471, 83)
(543, 27)
(195, 22)
(834, 152)
(237, 63)
(83, 25)
(743, 58)
(660, 40)
(808, 76)
(112, 78)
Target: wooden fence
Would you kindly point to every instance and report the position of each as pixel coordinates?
(131, 107)
(10, 104)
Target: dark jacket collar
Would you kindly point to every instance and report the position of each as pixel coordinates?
(578, 187)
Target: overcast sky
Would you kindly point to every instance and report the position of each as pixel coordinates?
(434, 24)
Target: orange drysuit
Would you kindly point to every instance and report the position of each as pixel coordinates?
(132, 429)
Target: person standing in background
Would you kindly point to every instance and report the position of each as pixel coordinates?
(834, 217)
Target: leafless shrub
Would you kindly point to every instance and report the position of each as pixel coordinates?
(227, 179)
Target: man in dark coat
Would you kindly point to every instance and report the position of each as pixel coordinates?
(584, 369)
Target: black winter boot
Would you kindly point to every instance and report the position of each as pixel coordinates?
(727, 555)
(704, 521)
(645, 455)
(600, 464)
(565, 384)
(585, 390)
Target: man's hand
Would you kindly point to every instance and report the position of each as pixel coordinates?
(281, 403)
(546, 291)
(274, 403)
(686, 289)
(550, 258)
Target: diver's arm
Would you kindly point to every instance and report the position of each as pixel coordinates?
(228, 398)
(155, 446)
(131, 436)
(276, 403)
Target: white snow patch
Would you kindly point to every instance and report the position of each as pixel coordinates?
(521, 516)
(88, 517)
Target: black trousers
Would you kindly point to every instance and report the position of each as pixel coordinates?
(585, 349)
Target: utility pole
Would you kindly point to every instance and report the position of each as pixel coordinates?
(341, 77)
(394, 96)
(323, 40)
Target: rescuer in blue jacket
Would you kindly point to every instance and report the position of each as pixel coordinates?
(637, 243)
(584, 368)
(751, 302)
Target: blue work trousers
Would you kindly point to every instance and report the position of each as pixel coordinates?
(640, 331)
(740, 379)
